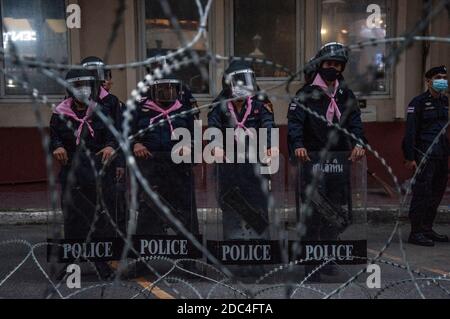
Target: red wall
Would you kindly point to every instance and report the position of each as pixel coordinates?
(386, 138)
(22, 158)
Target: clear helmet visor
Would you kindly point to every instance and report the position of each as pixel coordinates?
(166, 91)
(82, 88)
(242, 83)
(97, 68)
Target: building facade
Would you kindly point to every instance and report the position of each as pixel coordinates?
(288, 32)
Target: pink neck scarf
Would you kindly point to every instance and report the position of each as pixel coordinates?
(248, 111)
(163, 113)
(103, 93)
(333, 108)
(65, 108)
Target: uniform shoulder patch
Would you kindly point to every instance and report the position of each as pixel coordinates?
(411, 109)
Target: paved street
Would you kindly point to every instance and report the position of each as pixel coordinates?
(29, 280)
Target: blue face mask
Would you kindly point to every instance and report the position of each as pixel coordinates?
(440, 85)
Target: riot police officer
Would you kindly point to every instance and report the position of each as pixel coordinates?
(72, 123)
(427, 116)
(239, 181)
(336, 102)
(167, 109)
(327, 95)
(116, 198)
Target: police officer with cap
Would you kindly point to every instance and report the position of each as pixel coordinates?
(427, 116)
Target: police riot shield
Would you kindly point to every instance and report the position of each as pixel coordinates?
(95, 219)
(329, 239)
(91, 197)
(246, 233)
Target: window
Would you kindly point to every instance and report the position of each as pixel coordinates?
(160, 37)
(347, 22)
(38, 31)
(266, 29)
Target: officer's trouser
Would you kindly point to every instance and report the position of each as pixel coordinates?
(174, 184)
(249, 185)
(427, 193)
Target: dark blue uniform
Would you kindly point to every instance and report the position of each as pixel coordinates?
(309, 132)
(241, 176)
(427, 116)
(174, 183)
(79, 194)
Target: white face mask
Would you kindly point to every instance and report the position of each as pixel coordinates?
(83, 93)
(242, 83)
(241, 92)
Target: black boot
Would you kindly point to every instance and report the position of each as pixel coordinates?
(432, 235)
(420, 240)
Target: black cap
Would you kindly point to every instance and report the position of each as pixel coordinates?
(436, 70)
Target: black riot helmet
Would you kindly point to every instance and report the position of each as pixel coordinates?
(239, 79)
(166, 91)
(99, 72)
(84, 84)
(333, 51)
